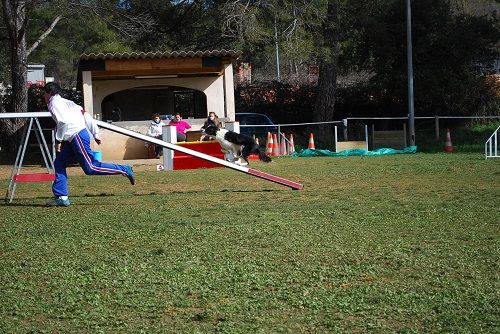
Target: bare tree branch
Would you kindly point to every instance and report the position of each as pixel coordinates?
(44, 35)
(129, 26)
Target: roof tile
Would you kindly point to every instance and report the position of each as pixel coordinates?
(158, 54)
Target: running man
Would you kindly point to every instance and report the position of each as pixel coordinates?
(73, 141)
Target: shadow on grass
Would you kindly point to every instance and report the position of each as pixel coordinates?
(153, 193)
(31, 205)
(248, 191)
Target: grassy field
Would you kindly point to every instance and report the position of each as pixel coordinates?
(387, 244)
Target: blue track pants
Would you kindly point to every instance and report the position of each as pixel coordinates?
(79, 148)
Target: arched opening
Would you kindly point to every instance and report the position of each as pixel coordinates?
(138, 104)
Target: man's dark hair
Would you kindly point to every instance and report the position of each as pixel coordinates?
(52, 88)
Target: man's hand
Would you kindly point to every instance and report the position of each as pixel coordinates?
(57, 146)
(98, 141)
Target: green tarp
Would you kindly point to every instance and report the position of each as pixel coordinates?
(354, 152)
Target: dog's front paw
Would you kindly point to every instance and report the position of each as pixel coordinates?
(239, 162)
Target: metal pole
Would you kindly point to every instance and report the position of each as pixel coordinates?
(344, 121)
(373, 136)
(436, 125)
(277, 51)
(411, 112)
(279, 139)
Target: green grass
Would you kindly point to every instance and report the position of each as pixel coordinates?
(388, 244)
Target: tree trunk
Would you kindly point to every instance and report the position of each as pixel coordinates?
(19, 75)
(327, 82)
(15, 21)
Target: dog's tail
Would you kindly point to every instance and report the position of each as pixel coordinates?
(263, 156)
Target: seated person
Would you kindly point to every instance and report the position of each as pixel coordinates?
(116, 114)
(155, 130)
(212, 119)
(181, 126)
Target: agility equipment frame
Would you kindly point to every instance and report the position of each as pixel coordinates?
(16, 176)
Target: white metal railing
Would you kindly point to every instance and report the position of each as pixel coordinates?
(345, 122)
(491, 146)
(436, 119)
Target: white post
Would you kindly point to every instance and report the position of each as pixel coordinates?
(169, 134)
(335, 138)
(87, 93)
(496, 144)
(229, 92)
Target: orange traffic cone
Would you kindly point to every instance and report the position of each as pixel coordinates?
(311, 142)
(291, 145)
(276, 149)
(283, 150)
(269, 144)
(448, 147)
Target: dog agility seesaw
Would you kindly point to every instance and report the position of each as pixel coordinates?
(243, 169)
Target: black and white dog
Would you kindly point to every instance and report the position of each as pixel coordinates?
(241, 146)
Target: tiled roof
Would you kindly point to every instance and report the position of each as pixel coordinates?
(158, 54)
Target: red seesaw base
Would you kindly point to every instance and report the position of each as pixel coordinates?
(35, 177)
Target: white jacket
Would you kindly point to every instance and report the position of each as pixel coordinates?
(70, 119)
(155, 129)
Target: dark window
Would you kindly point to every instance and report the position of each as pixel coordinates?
(184, 103)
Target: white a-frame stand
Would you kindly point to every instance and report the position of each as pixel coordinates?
(16, 175)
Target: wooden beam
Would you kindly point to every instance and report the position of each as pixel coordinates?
(159, 72)
(152, 63)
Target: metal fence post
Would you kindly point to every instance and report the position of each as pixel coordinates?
(366, 136)
(345, 128)
(279, 135)
(436, 125)
(373, 135)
